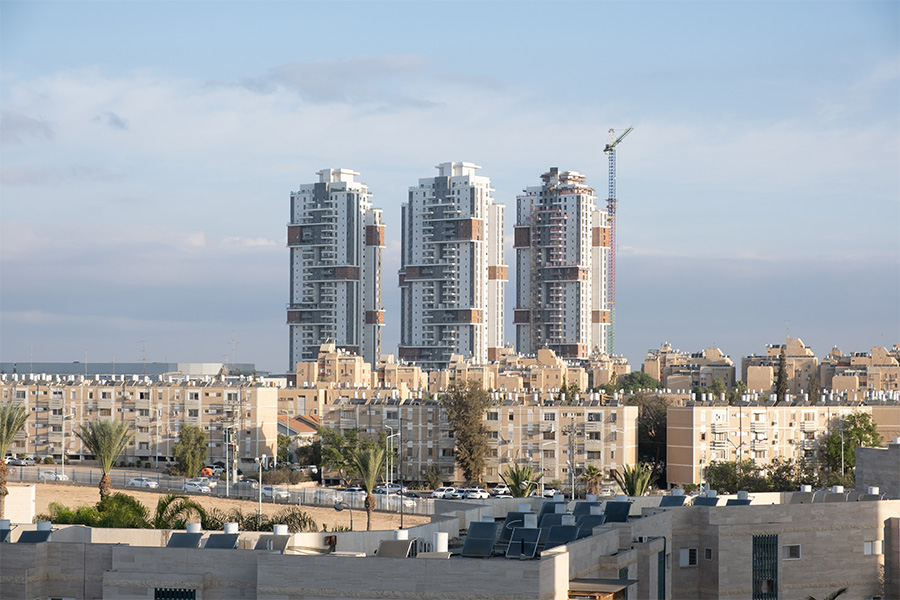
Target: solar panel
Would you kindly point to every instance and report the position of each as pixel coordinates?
(513, 520)
(586, 524)
(222, 541)
(475, 547)
(394, 548)
(184, 540)
(670, 501)
(551, 519)
(272, 542)
(584, 508)
(704, 501)
(617, 512)
(549, 508)
(560, 535)
(4, 536)
(523, 543)
(483, 530)
(801, 498)
(737, 502)
(34, 537)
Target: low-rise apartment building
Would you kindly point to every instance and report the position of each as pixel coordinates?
(548, 436)
(759, 372)
(701, 433)
(874, 371)
(157, 409)
(677, 370)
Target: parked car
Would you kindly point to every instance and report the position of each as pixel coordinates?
(211, 483)
(52, 476)
(457, 494)
(354, 489)
(443, 492)
(550, 492)
(144, 482)
(476, 493)
(500, 489)
(193, 485)
(22, 462)
(275, 493)
(393, 488)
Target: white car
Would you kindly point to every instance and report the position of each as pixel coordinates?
(500, 489)
(354, 489)
(443, 492)
(275, 493)
(210, 483)
(52, 476)
(192, 485)
(476, 493)
(550, 492)
(144, 482)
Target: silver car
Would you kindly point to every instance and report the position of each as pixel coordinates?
(144, 482)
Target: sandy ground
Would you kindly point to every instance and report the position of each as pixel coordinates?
(74, 496)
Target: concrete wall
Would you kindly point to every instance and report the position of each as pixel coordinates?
(879, 467)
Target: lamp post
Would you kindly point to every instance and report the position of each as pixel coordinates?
(339, 506)
(260, 462)
(387, 457)
(541, 478)
(63, 458)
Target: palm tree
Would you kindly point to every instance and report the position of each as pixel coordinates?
(174, 510)
(593, 479)
(12, 420)
(521, 480)
(634, 480)
(105, 440)
(368, 461)
(832, 595)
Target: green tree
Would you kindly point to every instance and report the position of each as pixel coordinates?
(637, 380)
(12, 420)
(652, 431)
(106, 440)
(717, 388)
(284, 448)
(740, 388)
(175, 511)
(433, 476)
(730, 477)
(593, 479)
(781, 382)
(814, 388)
(634, 480)
(335, 451)
(191, 450)
(465, 404)
(858, 430)
(521, 480)
(368, 462)
(787, 475)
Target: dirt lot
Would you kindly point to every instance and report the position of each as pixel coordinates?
(74, 496)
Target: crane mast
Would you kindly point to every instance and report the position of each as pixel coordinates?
(610, 152)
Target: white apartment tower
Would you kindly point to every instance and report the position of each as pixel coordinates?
(335, 238)
(562, 246)
(452, 274)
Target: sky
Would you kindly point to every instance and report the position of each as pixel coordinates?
(148, 151)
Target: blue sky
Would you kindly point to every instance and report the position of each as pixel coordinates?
(148, 151)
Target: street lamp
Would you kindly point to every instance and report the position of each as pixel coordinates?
(541, 478)
(65, 418)
(387, 457)
(260, 462)
(339, 506)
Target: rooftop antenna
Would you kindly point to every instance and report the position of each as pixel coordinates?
(610, 152)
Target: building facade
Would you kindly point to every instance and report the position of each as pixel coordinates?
(760, 371)
(335, 237)
(452, 273)
(562, 247)
(677, 370)
(702, 433)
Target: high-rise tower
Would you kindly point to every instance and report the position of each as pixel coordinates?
(335, 239)
(452, 273)
(562, 245)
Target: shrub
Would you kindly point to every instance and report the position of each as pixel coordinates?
(48, 460)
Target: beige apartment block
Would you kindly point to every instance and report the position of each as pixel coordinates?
(875, 371)
(759, 372)
(156, 409)
(701, 434)
(677, 370)
(544, 436)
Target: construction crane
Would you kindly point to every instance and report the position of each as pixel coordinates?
(610, 152)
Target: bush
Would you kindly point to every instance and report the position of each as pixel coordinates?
(48, 460)
(146, 465)
(282, 477)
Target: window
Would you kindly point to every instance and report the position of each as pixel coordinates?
(595, 417)
(194, 412)
(143, 412)
(791, 552)
(707, 553)
(688, 557)
(511, 417)
(765, 587)
(20, 394)
(873, 547)
(702, 436)
(493, 416)
(612, 417)
(549, 416)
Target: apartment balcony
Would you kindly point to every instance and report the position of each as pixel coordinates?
(809, 426)
(349, 424)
